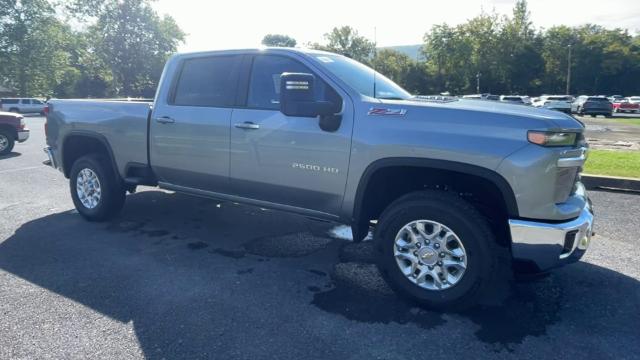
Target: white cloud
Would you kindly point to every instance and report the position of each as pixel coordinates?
(242, 23)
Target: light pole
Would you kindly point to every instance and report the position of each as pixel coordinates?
(478, 83)
(569, 70)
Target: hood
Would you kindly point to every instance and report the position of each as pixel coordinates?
(7, 115)
(551, 119)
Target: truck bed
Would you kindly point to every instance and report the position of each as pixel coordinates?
(122, 123)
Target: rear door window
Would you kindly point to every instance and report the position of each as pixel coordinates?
(210, 81)
(25, 102)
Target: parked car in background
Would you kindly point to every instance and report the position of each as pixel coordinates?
(22, 105)
(554, 102)
(592, 105)
(512, 99)
(482, 97)
(634, 99)
(625, 106)
(12, 129)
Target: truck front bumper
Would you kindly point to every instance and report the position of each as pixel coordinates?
(548, 245)
(23, 135)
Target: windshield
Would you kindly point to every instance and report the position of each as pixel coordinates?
(360, 77)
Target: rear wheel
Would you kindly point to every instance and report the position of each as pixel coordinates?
(435, 249)
(96, 191)
(7, 142)
(14, 110)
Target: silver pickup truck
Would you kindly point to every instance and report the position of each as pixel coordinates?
(446, 184)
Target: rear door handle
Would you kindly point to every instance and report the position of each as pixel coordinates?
(165, 120)
(247, 125)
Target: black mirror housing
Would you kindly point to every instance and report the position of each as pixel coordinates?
(297, 96)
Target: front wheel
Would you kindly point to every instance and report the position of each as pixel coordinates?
(96, 191)
(6, 142)
(435, 249)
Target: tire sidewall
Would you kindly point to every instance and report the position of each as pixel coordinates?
(10, 143)
(479, 258)
(95, 164)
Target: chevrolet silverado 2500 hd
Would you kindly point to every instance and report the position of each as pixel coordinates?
(452, 183)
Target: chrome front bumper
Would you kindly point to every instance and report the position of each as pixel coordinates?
(23, 135)
(549, 245)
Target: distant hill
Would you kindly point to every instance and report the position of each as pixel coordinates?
(412, 51)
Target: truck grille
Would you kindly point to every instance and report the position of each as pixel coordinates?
(565, 183)
(568, 177)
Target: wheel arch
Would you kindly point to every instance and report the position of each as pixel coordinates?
(11, 130)
(79, 143)
(441, 170)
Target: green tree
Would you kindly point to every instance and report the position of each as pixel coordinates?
(32, 42)
(278, 40)
(135, 43)
(393, 64)
(346, 41)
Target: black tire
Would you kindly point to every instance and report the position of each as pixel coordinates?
(10, 142)
(112, 192)
(465, 221)
(14, 110)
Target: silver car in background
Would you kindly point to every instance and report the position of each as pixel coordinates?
(22, 105)
(554, 102)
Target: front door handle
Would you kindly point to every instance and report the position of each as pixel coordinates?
(165, 120)
(247, 125)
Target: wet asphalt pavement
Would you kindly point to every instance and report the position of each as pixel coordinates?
(182, 277)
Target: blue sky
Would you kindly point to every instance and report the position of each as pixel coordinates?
(242, 23)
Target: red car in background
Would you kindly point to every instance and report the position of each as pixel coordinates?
(625, 105)
(12, 129)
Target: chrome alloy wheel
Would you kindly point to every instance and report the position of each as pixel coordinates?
(88, 188)
(4, 142)
(430, 255)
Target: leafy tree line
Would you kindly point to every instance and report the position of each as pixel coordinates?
(505, 55)
(117, 48)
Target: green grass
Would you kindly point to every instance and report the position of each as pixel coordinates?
(614, 163)
(628, 121)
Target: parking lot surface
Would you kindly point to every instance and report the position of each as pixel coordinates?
(183, 277)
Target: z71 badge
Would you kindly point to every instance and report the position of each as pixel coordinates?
(387, 112)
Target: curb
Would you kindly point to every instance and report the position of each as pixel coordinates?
(610, 182)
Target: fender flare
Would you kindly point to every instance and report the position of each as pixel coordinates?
(464, 168)
(96, 136)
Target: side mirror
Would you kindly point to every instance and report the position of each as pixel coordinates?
(297, 96)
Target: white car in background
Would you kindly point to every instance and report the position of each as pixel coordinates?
(22, 105)
(527, 100)
(634, 99)
(554, 102)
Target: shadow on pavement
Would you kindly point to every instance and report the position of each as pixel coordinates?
(202, 279)
(10, 155)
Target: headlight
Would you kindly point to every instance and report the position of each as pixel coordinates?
(547, 138)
